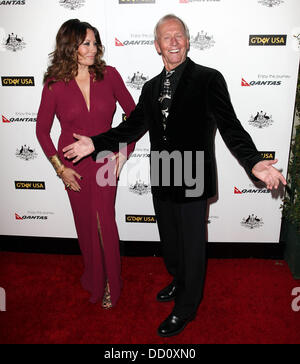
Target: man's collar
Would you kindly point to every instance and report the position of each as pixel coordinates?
(178, 68)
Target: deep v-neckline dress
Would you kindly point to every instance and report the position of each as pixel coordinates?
(93, 205)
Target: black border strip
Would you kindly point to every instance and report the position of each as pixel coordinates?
(40, 245)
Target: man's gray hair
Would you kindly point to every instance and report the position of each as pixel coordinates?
(167, 18)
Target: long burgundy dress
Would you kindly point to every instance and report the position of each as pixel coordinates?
(93, 204)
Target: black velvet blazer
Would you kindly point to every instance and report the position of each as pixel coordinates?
(200, 104)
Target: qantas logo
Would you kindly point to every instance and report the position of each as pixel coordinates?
(30, 217)
(244, 191)
(22, 118)
(118, 43)
(135, 42)
(260, 83)
(237, 191)
(13, 2)
(266, 80)
(245, 83)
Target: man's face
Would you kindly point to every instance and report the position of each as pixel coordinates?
(172, 43)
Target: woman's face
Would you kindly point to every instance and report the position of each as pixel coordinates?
(88, 49)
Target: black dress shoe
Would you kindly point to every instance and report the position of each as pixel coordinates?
(167, 294)
(173, 325)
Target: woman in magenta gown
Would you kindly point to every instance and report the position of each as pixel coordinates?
(81, 91)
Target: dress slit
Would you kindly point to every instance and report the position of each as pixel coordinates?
(106, 301)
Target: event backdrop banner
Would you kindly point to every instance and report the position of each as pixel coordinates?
(254, 43)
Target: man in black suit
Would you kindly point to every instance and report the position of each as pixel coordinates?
(181, 109)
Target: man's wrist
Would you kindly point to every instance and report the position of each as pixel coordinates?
(94, 154)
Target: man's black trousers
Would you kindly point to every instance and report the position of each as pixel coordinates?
(182, 229)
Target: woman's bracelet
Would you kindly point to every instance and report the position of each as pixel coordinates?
(57, 164)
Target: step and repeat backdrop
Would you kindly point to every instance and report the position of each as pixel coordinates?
(254, 43)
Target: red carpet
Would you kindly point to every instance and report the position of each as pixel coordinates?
(246, 301)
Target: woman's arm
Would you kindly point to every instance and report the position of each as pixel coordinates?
(45, 119)
(44, 124)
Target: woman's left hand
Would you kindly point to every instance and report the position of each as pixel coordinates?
(120, 159)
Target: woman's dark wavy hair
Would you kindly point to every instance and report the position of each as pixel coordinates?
(64, 60)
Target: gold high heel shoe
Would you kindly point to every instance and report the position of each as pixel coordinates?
(106, 303)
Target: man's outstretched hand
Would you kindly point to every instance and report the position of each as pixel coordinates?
(80, 149)
(265, 171)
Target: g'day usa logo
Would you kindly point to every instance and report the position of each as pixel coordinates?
(268, 156)
(146, 219)
(268, 40)
(30, 185)
(17, 81)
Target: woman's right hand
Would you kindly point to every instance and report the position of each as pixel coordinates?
(69, 178)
